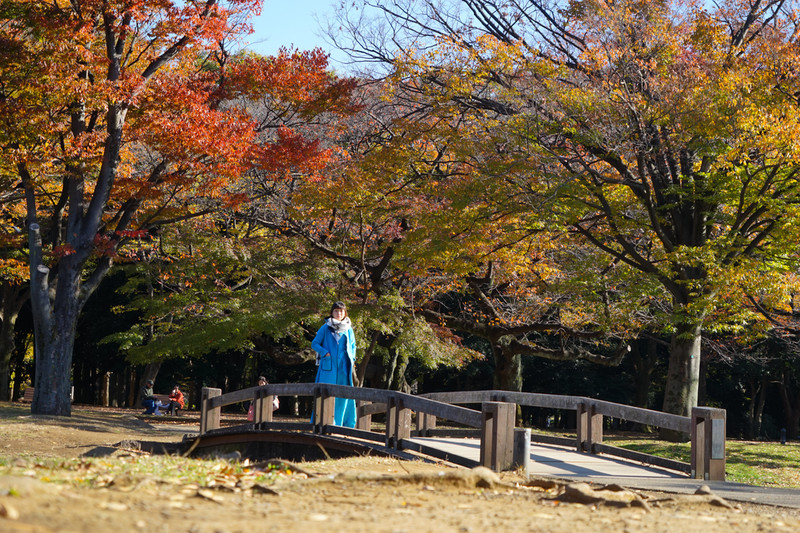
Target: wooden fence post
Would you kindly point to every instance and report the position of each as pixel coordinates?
(209, 418)
(497, 435)
(262, 406)
(589, 426)
(363, 422)
(324, 407)
(398, 421)
(425, 423)
(708, 443)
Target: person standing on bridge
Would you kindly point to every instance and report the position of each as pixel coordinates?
(335, 344)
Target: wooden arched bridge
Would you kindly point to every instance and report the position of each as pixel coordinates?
(499, 446)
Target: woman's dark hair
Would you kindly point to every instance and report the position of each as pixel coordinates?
(338, 305)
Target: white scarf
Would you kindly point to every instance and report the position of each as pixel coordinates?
(338, 326)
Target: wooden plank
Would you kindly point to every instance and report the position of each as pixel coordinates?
(530, 399)
(541, 438)
(670, 464)
(643, 416)
(535, 399)
(555, 401)
(280, 389)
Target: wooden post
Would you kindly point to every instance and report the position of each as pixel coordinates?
(589, 427)
(363, 422)
(105, 389)
(425, 423)
(262, 406)
(497, 435)
(209, 418)
(324, 407)
(708, 443)
(398, 422)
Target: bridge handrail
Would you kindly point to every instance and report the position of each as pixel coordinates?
(454, 413)
(556, 401)
(496, 419)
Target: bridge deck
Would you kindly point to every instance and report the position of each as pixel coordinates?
(551, 460)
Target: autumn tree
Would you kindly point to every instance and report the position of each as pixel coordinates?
(268, 269)
(662, 134)
(411, 217)
(227, 281)
(13, 276)
(114, 125)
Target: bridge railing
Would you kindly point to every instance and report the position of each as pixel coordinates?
(495, 420)
(705, 427)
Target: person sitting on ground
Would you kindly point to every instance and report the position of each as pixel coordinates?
(176, 400)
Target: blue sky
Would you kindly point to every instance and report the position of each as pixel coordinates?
(287, 23)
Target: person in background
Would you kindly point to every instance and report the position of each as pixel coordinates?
(149, 401)
(176, 400)
(335, 345)
(275, 402)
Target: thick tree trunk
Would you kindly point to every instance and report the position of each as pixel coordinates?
(54, 338)
(398, 377)
(683, 373)
(55, 313)
(507, 369)
(683, 376)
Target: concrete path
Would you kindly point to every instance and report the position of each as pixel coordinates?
(566, 463)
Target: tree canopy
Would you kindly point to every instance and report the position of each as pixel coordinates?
(661, 134)
(116, 122)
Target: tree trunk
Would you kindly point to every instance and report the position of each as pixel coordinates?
(150, 372)
(6, 350)
(13, 298)
(54, 335)
(750, 416)
(762, 399)
(132, 393)
(791, 406)
(643, 364)
(683, 375)
(507, 369)
(398, 377)
(390, 368)
(361, 368)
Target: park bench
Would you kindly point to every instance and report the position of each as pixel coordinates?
(164, 399)
(27, 396)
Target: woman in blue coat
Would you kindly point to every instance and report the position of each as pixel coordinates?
(335, 345)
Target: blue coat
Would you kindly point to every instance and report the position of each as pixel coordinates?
(337, 369)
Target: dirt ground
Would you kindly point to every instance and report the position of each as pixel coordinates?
(356, 494)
